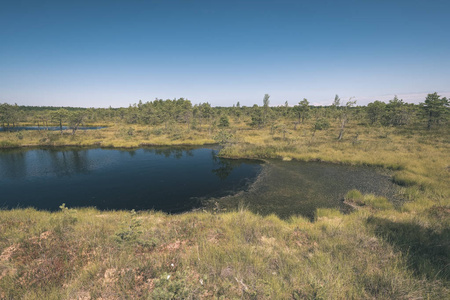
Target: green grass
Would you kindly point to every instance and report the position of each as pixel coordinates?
(375, 202)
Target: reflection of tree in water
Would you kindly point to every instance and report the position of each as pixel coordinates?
(13, 164)
(224, 166)
(80, 161)
(178, 153)
(169, 152)
(69, 162)
(62, 163)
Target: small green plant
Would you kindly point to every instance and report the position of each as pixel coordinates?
(130, 230)
(65, 220)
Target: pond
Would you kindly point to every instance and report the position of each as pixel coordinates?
(50, 128)
(176, 180)
(171, 180)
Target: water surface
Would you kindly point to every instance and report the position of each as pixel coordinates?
(171, 180)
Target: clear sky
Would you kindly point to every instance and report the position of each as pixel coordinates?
(102, 53)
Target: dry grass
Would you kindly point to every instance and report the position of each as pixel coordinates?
(112, 255)
(114, 136)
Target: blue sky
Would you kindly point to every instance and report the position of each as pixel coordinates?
(102, 53)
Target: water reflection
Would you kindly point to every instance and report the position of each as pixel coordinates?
(171, 152)
(65, 163)
(13, 164)
(224, 167)
(22, 163)
(131, 153)
(165, 179)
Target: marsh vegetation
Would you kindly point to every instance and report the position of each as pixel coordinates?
(382, 249)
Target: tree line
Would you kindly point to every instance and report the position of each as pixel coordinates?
(432, 113)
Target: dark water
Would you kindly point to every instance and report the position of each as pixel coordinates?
(171, 180)
(51, 128)
(177, 180)
(299, 188)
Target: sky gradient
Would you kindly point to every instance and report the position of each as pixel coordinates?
(115, 53)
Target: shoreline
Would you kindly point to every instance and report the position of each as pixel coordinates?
(162, 145)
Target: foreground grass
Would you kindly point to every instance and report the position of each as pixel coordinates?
(88, 254)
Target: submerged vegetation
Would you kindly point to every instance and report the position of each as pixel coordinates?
(379, 250)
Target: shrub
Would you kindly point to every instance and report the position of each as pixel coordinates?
(130, 230)
(224, 122)
(321, 124)
(223, 137)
